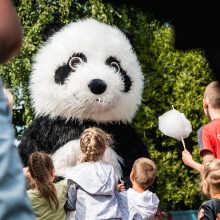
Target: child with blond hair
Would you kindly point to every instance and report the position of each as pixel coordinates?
(93, 182)
(210, 186)
(138, 203)
(47, 198)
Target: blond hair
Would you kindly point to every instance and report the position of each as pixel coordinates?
(9, 97)
(144, 172)
(93, 143)
(211, 177)
(212, 93)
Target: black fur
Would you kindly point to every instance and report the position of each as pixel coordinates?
(48, 135)
(62, 72)
(50, 29)
(129, 35)
(81, 55)
(126, 79)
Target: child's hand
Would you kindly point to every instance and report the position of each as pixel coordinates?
(121, 187)
(201, 214)
(187, 157)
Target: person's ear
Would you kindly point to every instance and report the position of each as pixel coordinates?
(205, 188)
(205, 103)
(132, 176)
(52, 174)
(206, 106)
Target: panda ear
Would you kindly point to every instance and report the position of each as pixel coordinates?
(50, 29)
(129, 36)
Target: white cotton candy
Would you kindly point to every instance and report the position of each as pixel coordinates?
(175, 124)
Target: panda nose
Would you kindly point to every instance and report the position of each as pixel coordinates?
(97, 86)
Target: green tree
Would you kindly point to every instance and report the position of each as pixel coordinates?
(171, 78)
(174, 78)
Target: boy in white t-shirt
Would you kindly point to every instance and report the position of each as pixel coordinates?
(138, 203)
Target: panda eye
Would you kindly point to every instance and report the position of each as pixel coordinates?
(75, 62)
(115, 66)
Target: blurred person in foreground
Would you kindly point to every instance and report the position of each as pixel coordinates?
(14, 203)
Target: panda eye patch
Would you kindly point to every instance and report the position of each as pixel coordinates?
(115, 66)
(114, 63)
(74, 62)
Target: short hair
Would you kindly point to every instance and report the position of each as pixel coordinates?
(212, 93)
(144, 171)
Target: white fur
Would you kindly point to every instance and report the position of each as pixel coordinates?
(67, 156)
(97, 41)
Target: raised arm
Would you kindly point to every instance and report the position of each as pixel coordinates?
(188, 160)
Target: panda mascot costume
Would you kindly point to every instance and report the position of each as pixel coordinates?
(85, 75)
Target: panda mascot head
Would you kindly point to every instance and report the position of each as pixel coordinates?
(86, 74)
(88, 70)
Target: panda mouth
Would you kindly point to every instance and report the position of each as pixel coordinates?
(93, 101)
(89, 106)
(100, 101)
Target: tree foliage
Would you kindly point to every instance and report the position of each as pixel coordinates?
(171, 78)
(174, 78)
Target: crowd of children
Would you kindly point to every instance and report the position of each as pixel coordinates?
(91, 190)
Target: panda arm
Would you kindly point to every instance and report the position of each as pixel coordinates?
(66, 157)
(115, 160)
(35, 138)
(129, 146)
(25, 148)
